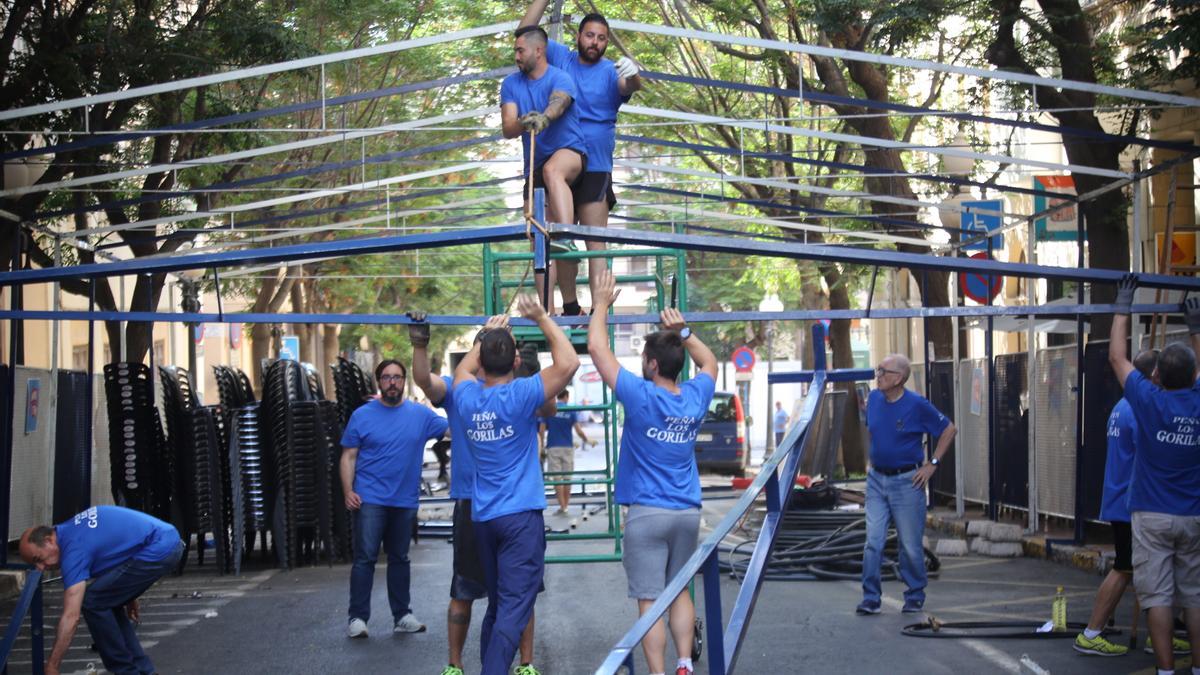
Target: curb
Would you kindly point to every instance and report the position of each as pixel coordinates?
(1093, 559)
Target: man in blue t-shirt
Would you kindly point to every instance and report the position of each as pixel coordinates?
(1164, 492)
(123, 552)
(603, 86)
(383, 448)
(898, 420)
(499, 417)
(656, 472)
(538, 103)
(781, 421)
(560, 451)
(467, 583)
(1114, 507)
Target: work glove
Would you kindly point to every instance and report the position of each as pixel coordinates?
(1125, 289)
(534, 121)
(626, 68)
(418, 333)
(1191, 314)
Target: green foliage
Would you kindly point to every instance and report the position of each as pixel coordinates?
(1166, 47)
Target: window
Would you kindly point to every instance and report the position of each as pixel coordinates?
(79, 357)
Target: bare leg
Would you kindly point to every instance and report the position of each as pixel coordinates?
(567, 271)
(683, 621)
(654, 645)
(594, 214)
(1161, 622)
(526, 645)
(558, 173)
(1107, 598)
(563, 492)
(1192, 615)
(458, 622)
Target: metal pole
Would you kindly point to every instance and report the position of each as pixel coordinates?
(990, 355)
(124, 324)
(770, 390)
(1079, 384)
(1031, 374)
(959, 465)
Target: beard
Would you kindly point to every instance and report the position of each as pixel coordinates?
(391, 396)
(526, 67)
(590, 54)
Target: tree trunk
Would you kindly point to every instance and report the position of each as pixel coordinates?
(853, 459)
(330, 355)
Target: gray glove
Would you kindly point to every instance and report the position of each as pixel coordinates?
(1125, 289)
(1191, 314)
(418, 333)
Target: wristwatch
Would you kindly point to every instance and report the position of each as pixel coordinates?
(935, 461)
(685, 333)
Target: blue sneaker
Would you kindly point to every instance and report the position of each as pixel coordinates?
(913, 606)
(867, 607)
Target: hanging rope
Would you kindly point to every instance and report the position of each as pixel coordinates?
(530, 221)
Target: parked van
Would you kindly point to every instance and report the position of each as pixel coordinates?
(721, 442)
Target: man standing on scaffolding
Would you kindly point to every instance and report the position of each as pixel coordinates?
(537, 104)
(657, 476)
(603, 86)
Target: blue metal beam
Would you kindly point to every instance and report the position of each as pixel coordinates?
(840, 375)
(579, 321)
(31, 595)
(278, 254)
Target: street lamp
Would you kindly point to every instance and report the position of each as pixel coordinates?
(770, 303)
(189, 288)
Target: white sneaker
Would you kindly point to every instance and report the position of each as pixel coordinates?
(357, 629)
(408, 624)
(560, 512)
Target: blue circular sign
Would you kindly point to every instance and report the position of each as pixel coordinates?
(743, 359)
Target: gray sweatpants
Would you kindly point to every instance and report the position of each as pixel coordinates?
(657, 543)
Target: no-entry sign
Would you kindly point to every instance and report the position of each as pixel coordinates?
(743, 359)
(981, 288)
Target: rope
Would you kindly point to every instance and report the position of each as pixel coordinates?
(530, 221)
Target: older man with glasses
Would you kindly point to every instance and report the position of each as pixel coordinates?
(898, 420)
(383, 448)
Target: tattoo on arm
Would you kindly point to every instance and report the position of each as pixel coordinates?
(559, 102)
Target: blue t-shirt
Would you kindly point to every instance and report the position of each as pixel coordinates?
(462, 464)
(391, 449)
(501, 429)
(559, 428)
(1118, 465)
(529, 95)
(898, 428)
(599, 99)
(1166, 463)
(657, 466)
(99, 539)
(781, 420)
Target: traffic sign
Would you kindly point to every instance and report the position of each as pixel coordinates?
(981, 288)
(974, 224)
(289, 350)
(743, 359)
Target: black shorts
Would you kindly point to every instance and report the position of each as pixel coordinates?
(539, 181)
(594, 186)
(1123, 546)
(468, 582)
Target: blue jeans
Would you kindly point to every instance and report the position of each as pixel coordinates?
(894, 499)
(513, 551)
(393, 527)
(104, 611)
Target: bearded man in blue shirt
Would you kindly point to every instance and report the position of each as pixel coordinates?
(602, 86)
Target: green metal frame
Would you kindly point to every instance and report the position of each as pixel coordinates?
(495, 283)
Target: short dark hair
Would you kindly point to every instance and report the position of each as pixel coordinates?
(563, 395)
(497, 352)
(530, 365)
(665, 347)
(1177, 366)
(538, 32)
(389, 362)
(39, 535)
(594, 16)
(1146, 361)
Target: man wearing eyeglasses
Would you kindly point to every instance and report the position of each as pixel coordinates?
(898, 420)
(383, 448)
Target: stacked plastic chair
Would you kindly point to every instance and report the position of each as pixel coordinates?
(208, 469)
(179, 401)
(249, 482)
(140, 470)
(352, 387)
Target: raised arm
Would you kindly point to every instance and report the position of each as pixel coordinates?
(702, 356)
(563, 361)
(533, 15)
(603, 297)
(422, 374)
(1118, 353)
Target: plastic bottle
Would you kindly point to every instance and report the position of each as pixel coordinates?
(1058, 613)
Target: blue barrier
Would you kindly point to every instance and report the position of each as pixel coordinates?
(776, 478)
(30, 602)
